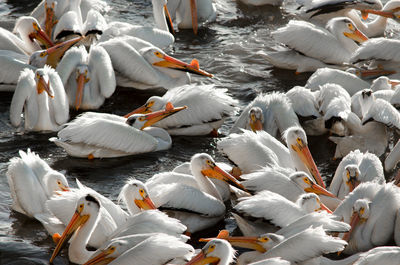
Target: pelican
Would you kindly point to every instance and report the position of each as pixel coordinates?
(88, 78)
(372, 212)
(270, 112)
(196, 119)
(392, 158)
(350, 81)
(194, 200)
(275, 208)
(152, 67)
(216, 251)
(188, 14)
(290, 187)
(356, 167)
(322, 11)
(162, 17)
(41, 96)
(32, 182)
(316, 46)
(85, 136)
(304, 102)
(252, 151)
(383, 255)
(143, 248)
(86, 216)
(30, 39)
(312, 242)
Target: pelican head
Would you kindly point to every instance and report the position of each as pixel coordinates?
(350, 176)
(366, 100)
(306, 183)
(109, 253)
(136, 190)
(52, 56)
(87, 208)
(256, 119)
(217, 251)
(347, 27)
(259, 243)
(154, 103)
(360, 215)
(158, 58)
(42, 82)
(141, 121)
(30, 27)
(55, 181)
(82, 77)
(205, 164)
(296, 141)
(310, 202)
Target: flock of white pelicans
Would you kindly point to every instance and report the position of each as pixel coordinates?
(66, 55)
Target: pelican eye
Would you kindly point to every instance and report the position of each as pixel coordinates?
(81, 207)
(142, 118)
(149, 104)
(35, 26)
(253, 116)
(350, 26)
(43, 54)
(264, 239)
(362, 211)
(211, 248)
(158, 54)
(210, 163)
(306, 180)
(299, 141)
(112, 248)
(142, 193)
(86, 72)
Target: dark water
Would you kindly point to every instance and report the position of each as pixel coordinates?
(226, 48)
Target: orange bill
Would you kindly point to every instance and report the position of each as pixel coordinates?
(218, 173)
(193, 11)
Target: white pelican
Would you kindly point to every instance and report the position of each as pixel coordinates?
(290, 187)
(357, 100)
(381, 255)
(372, 211)
(162, 17)
(252, 151)
(356, 167)
(86, 216)
(275, 208)
(88, 78)
(392, 158)
(347, 79)
(217, 251)
(269, 112)
(334, 46)
(310, 243)
(194, 200)
(32, 182)
(144, 249)
(188, 14)
(197, 119)
(30, 39)
(99, 135)
(322, 11)
(151, 67)
(41, 97)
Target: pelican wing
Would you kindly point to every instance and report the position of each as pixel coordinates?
(312, 41)
(59, 104)
(371, 169)
(150, 221)
(12, 64)
(158, 249)
(205, 104)
(157, 37)
(383, 112)
(303, 102)
(22, 182)
(72, 58)
(186, 198)
(270, 206)
(94, 22)
(378, 49)
(101, 66)
(379, 255)
(247, 152)
(127, 61)
(11, 42)
(105, 133)
(311, 243)
(24, 90)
